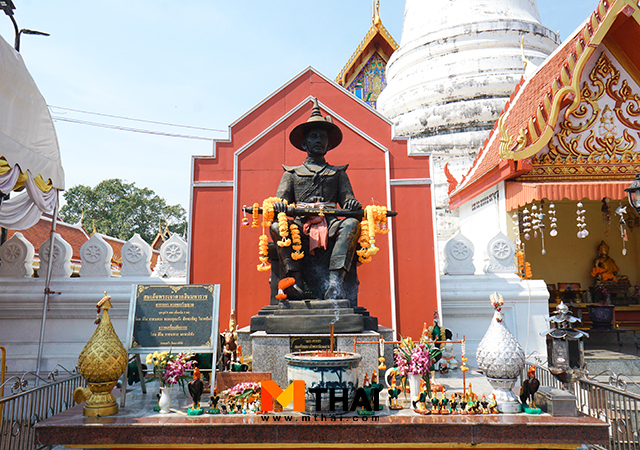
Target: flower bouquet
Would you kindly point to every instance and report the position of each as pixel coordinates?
(170, 368)
(415, 359)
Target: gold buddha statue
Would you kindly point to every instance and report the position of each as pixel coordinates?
(604, 260)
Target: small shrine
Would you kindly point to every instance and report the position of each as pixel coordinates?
(554, 170)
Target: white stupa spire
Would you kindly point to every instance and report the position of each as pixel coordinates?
(457, 64)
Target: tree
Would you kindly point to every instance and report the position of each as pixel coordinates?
(120, 209)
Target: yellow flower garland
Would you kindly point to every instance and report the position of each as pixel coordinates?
(263, 246)
(256, 215)
(374, 221)
(297, 243)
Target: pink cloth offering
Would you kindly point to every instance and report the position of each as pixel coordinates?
(317, 230)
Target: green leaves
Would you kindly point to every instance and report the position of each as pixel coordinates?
(120, 209)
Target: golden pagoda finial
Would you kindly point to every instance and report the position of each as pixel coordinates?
(376, 14)
(93, 222)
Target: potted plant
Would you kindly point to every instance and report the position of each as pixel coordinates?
(170, 369)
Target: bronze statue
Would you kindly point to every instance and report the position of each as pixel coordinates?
(329, 243)
(604, 260)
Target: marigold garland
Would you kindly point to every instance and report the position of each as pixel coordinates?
(267, 210)
(263, 246)
(374, 221)
(256, 215)
(297, 243)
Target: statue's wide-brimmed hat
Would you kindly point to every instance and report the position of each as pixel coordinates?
(316, 121)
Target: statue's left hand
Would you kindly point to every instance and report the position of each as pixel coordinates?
(352, 205)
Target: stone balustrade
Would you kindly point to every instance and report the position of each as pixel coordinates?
(72, 304)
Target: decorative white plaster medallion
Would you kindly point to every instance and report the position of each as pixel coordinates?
(458, 253)
(501, 251)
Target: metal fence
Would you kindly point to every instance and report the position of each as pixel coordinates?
(609, 402)
(20, 411)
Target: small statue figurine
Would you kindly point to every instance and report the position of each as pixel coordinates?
(493, 405)
(196, 386)
(605, 261)
(435, 404)
(375, 387)
(453, 404)
(449, 356)
(445, 408)
(213, 402)
(394, 393)
(420, 404)
(230, 346)
(484, 404)
(527, 391)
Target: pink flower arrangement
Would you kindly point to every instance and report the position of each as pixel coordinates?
(414, 358)
(170, 368)
(242, 387)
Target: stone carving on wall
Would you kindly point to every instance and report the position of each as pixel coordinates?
(96, 256)
(173, 258)
(136, 257)
(458, 253)
(501, 251)
(16, 257)
(62, 253)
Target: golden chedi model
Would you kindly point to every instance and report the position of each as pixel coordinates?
(101, 363)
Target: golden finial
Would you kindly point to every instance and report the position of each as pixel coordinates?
(93, 222)
(376, 14)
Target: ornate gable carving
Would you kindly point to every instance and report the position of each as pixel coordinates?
(599, 139)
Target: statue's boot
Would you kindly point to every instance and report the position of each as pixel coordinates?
(335, 290)
(295, 291)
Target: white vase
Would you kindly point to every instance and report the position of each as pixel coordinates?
(165, 400)
(414, 385)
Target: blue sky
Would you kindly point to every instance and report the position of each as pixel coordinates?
(201, 63)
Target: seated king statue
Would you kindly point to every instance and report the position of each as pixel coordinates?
(327, 270)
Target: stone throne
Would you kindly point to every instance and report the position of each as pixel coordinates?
(311, 315)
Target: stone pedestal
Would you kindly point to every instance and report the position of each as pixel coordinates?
(268, 350)
(313, 317)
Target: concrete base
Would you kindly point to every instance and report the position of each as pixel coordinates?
(268, 350)
(313, 317)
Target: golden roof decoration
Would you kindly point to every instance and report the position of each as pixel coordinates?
(377, 33)
(536, 132)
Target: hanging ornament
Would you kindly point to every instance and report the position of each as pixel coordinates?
(553, 220)
(516, 229)
(535, 220)
(526, 224)
(621, 211)
(606, 214)
(245, 220)
(580, 222)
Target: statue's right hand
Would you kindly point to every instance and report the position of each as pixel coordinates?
(279, 207)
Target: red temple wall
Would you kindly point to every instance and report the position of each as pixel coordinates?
(260, 139)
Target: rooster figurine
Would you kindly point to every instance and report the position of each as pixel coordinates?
(196, 386)
(529, 388)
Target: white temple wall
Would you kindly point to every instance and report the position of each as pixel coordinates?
(72, 305)
(467, 309)
(480, 220)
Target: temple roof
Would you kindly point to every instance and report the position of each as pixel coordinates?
(538, 104)
(377, 40)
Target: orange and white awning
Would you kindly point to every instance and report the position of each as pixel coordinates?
(520, 193)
